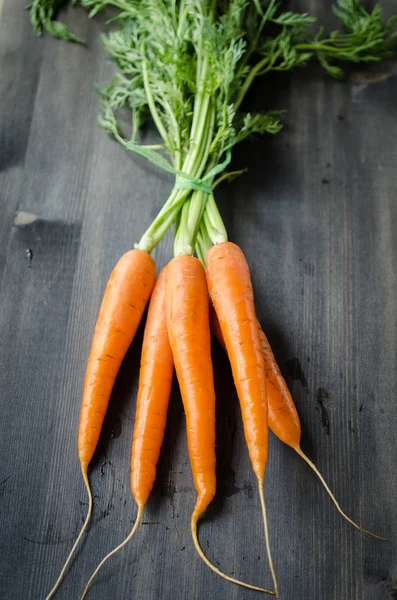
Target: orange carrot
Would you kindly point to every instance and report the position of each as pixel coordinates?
(283, 417)
(154, 390)
(157, 367)
(231, 292)
(189, 334)
(126, 295)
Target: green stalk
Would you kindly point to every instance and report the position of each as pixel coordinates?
(203, 242)
(206, 146)
(201, 98)
(177, 158)
(321, 47)
(134, 131)
(213, 222)
(211, 230)
(195, 160)
(264, 20)
(228, 176)
(182, 16)
(157, 230)
(196, 145)
(191, 215)
(194, 165)
(152, 106)
(123, 142)
(187, 230)
(182, 233)
(255, 71)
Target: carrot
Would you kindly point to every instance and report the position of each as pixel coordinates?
(155, 379)
(157, 368)
(127, 292)
(189, 334)
(231, 292)
(283, 417)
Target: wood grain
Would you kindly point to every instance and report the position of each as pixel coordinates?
(317, 217)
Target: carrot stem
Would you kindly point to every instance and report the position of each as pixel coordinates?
(87, 519)
(213, 222)
(193, 528)
(269, 554)
(190, 217)
(334, 500)
(127, 539)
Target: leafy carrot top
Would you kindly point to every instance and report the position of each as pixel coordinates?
(188, 64)
(164, 52)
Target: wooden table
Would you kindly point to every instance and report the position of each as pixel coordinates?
(317, 218)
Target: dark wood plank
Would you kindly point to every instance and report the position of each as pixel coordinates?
(316, 216)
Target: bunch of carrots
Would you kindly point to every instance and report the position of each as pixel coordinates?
(187, 301)
(188, 64)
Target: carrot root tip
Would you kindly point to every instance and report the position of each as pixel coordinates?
(82, 530)
(269, 554)
(334, 500)
(193, 527)
(127, 539)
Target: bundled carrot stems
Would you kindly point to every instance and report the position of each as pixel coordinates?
(188, 65)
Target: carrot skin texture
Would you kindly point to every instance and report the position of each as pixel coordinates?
(189, 334)
(230, 287)
(155, 379)
(127, 292)
(283, 418)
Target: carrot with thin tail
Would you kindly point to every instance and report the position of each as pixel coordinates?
(189, 334)
(127, 292)
(230, 288)
(155, 379)
(283, 417)
(151, 412)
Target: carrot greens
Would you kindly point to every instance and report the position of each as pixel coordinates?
(188, 65)
(42, 13)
